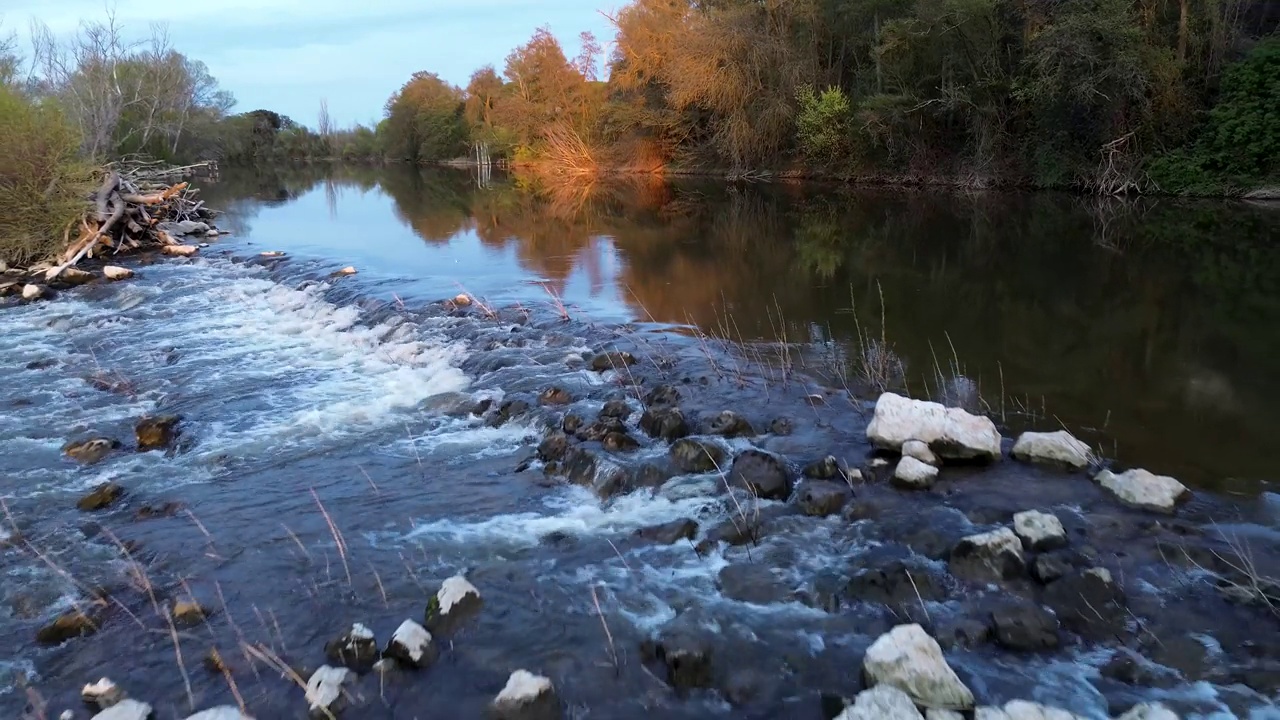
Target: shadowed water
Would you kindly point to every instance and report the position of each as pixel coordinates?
(330, 472)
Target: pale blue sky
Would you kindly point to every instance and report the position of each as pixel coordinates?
(286, 55)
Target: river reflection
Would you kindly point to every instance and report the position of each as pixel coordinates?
(1149, 327)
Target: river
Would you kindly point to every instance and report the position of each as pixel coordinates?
(329, 469)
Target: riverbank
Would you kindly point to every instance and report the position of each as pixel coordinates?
(359, 441)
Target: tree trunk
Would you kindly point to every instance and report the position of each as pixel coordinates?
(1184, 13)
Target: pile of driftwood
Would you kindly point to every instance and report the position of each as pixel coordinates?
(137, 208)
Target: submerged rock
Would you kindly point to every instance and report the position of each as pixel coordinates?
(821, 498)
(601, 475)
(357, 649)
(612, 361)
(616, 407)
(189, 613)
(324, 690)
(902, 588)
(620, 442)
(1025, 626)
(101, 497)
(908, 659)
(555, 396)
(126, 710)
(526, 697)
(156, 433)
(1088, 603)
(90, 451)
(553, 447)
(597, 430)
(412, 645)
(882, 702)
(1054, 448)
(668, 533)
(751, 583)
(919, 450)
(763, 475)
(951, 433)
(697, 456)
(115, 272)
(662, 396)
(1039, 531)
(71, 624)
(987, 557)
(1048, 567)
(572, 423)
(782, 426)
(828, 468)
(664, 423)
(731, 425)
(686, 659)
(456, 601)
(1144, 490)
(913, 474)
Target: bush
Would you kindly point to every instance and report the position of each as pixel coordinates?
(43, 183)
(822, 126)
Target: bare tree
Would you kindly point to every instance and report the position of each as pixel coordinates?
(325, 124)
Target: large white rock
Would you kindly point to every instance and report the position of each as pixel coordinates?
(455, 591)
(1039, 530)
(908, 659)
(180, 250)
(125, 710)
(936, 714)
(1149, 711)
(1145, 490)
(1055, 448)
(324, 689)
(226, 712)
(115, 272)
(919, 450)
(882, 702)
(32, 292)
(1023, 710)
(911, 473)
(526, 697)
(990, 713)
(412, 644)
(951, 433)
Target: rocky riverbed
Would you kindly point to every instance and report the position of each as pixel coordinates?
(246, 482)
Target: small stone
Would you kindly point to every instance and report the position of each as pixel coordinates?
(555, 396)
(781, 426)
(461, 299)
(1046, 568)
(1055, 448)
(572, 423)
(348, 270)
(71, 624)
(671, 532)
(412, 645)
(526, 697)
(662, 396)
(126, 710)
(553, 447)
(180, 250)
(828, 468)
(188, 613)
(1025, 626)
(763, 475)
(987, 557)
(731, 425)
(90, 451)
(616, 407)
(101, 497)
(156, 433)
(32, 292)
(612, 361)
(456, 600)
(919, 450)
(664, 423)
(324, 689)
(913, 474)
(115, 272)
(1088, 603)
(103, 693)
(1144, 490)
(357, 650)
(620, 442)
(687, 660)
(1039, 531)
(70, 276)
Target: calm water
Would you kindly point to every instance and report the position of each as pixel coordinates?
(1149, 329)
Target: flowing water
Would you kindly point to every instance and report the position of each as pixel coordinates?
(336, 463)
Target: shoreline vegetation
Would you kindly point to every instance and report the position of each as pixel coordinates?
(1110, 97)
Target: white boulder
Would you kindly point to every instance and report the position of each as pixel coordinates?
(31, 291)
(1149, 711)
(936, 714)
(908, 659)
(882, 702)
(1023, 710)
(919, 450)
(125, 710)
(1039, 530)
(1055, 448)
(324, 689)
(115, 272)
(180, 250)
(526, 697)
(412, 645)
(226, 712)
(952, 433)
(987, 557)
(911, 473)
(1144, 490)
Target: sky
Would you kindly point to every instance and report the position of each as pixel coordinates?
(287, 55)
